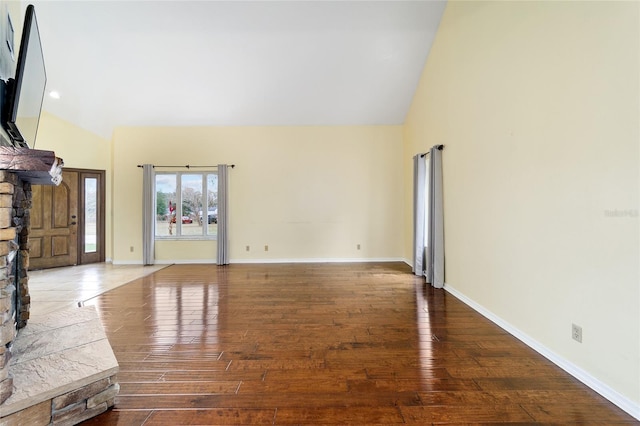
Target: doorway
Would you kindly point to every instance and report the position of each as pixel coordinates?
(68, 221)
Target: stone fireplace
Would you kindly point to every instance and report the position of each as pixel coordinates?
(15, 201)
(59, 368)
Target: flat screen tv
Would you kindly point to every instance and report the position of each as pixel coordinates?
(25, 92)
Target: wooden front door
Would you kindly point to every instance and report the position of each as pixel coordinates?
(53, 239)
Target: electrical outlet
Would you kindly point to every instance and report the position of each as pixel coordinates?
(131, 249)
(266, 248)
(248, 248)
(358, 246)
(576, 333)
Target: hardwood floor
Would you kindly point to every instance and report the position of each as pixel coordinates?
(323, 344)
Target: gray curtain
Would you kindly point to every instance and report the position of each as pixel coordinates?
(148, 213)
(435, 241)
(223, 215)
(419, 177)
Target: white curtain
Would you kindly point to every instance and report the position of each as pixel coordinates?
(148, 213)
(223, 215)
(419, 178)
(435, 215)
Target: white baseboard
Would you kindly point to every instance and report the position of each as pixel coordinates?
(318, 260)
(624, 403)
(257, 261)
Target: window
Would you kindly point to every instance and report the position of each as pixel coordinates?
(186, 205)
(90, 214)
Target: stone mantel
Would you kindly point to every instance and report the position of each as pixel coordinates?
(32, 165)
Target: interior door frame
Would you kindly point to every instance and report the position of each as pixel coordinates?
(99, 254)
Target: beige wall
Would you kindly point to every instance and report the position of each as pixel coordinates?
(78, 148)
(537, 106)
(306, 192)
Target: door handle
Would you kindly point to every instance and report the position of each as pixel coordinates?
(73, 223)
(73, 217)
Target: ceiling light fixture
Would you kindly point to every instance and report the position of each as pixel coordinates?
(54, 94)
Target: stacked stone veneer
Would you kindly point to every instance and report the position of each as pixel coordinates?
(15, 202)
(86, 402)
(70, 408)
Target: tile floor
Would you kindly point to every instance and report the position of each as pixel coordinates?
(59, 288)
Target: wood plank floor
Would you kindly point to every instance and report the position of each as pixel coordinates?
(323, 344)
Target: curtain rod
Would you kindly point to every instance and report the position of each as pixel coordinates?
(439, 147)
(185, 166)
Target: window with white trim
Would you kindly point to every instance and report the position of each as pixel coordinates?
(186, 205)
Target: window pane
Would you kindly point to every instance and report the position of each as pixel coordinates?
(90, 217)
(186, 205)
(165, 205)
(191, 204)
(212, 204)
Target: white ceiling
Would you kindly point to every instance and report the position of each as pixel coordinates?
(185, 63)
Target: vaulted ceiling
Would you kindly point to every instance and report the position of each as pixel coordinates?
(235, 63)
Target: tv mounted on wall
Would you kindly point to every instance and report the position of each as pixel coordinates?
(25, 92)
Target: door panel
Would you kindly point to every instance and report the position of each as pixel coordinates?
(60, 245)
(53, 237)
(36, 207)
(61, 205)
(35, 247)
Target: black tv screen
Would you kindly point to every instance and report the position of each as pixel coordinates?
(25, 92)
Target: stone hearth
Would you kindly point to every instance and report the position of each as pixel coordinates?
(63, 370)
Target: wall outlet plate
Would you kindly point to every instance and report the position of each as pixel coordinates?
(576, 333)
